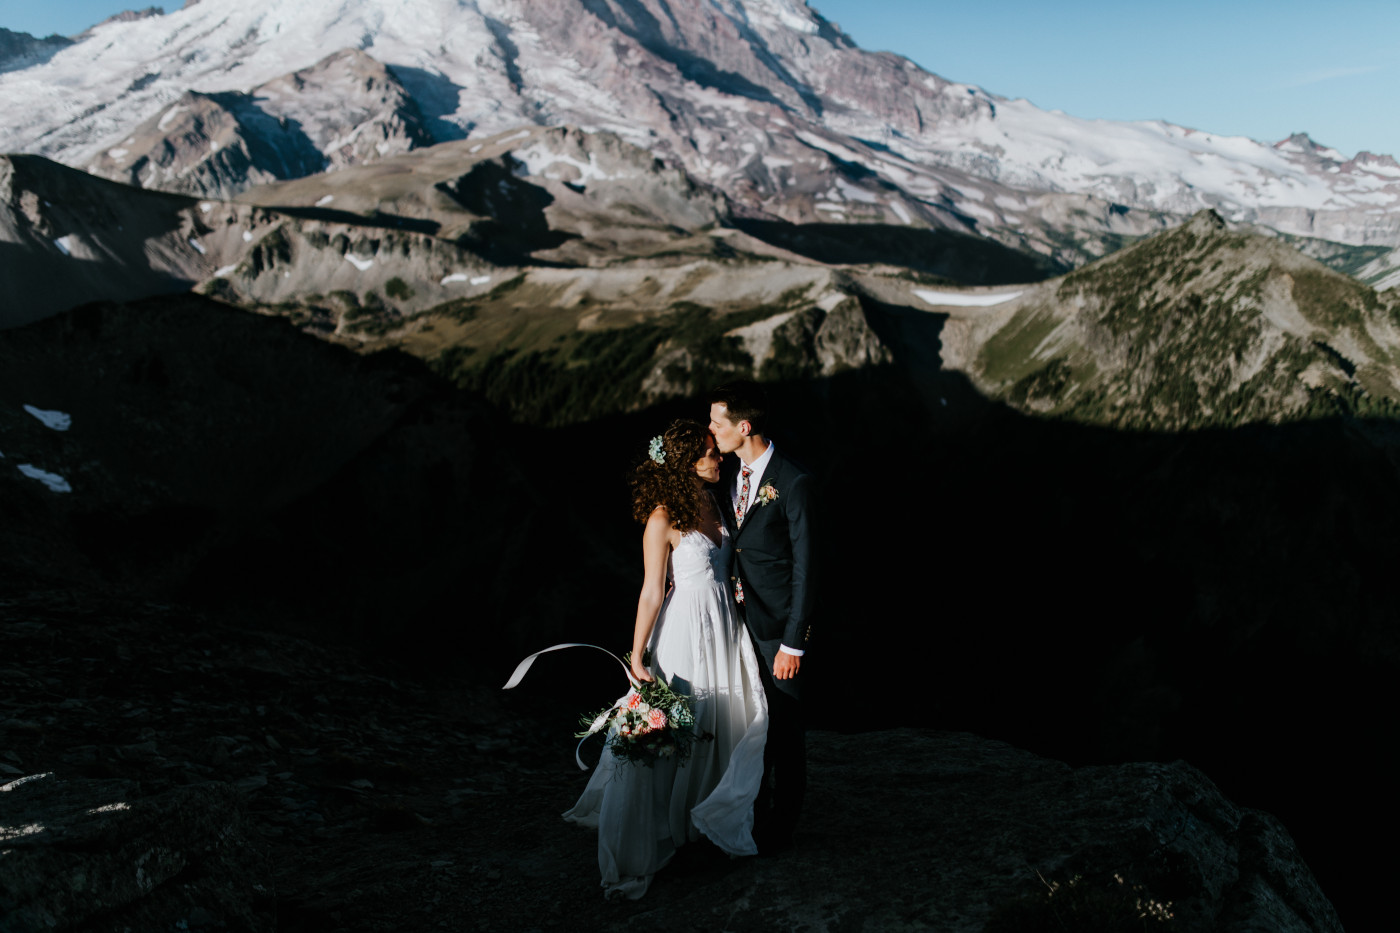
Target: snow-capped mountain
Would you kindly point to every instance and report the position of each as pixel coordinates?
(343, 110)
(763, 99)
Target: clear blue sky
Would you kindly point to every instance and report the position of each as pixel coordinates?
(1234, 67)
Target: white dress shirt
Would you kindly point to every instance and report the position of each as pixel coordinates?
(756, 480)
(755, 477)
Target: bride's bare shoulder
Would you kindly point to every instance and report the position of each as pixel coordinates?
(659, 526)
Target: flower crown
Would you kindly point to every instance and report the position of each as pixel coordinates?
(655, 451)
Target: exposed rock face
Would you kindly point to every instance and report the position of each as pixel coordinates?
(67, 238)
(79, 851)
(344, 110)
(561, 196)
(440, 222)
(435, 250)
(440, 251)
(209, 145)
(829, 337)
(1383, 272)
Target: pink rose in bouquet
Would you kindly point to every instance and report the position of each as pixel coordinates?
(652, 722)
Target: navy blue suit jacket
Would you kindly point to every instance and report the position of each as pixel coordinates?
(774, 554)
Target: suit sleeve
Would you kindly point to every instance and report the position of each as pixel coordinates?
(797, 631)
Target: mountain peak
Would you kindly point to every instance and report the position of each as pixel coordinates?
(1205, 222)
(1373, 162)
(1297, 141)
(19, 50)
(1305, 145)
(763, 99)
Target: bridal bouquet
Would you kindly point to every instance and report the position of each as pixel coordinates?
(650, 723)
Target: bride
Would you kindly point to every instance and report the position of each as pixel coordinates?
(698, 645)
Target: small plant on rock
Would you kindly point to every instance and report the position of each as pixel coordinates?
(1118, 906)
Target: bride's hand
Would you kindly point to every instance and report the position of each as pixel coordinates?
(640, 672)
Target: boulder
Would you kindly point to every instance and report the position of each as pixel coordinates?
(921, 830)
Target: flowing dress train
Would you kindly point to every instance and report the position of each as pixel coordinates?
(701, 648)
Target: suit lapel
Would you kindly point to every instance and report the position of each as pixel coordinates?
(724, 498)
(770, 475)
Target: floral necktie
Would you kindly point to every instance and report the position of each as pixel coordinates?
(742, 502)
(740, 505)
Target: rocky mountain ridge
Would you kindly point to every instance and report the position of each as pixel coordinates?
(67, 238)
(481, 255)
(764, 99)
(469, 254)
(1196, 327)
(19, 50)
(439, 219)
(217, 145)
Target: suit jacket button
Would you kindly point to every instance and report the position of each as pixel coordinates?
(731, 578)
(738, 550)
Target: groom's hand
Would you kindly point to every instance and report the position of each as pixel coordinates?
(785, 665)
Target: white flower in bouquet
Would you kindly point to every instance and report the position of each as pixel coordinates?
(652, 722)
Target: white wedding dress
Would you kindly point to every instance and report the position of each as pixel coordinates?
(699, 647)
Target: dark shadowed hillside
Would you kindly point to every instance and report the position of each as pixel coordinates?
(1089, 594)
(223, 456)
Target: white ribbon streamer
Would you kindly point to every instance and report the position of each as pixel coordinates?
(606, 716)
(523, 668)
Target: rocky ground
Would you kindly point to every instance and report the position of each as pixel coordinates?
(168, 772)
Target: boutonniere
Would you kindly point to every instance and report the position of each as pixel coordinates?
(766, 494)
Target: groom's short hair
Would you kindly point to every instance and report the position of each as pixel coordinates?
(745, 401)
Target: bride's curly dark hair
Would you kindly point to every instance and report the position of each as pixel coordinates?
(672, 483)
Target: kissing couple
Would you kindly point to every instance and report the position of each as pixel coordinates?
(724, 616)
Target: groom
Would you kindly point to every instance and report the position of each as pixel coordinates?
(769, 517)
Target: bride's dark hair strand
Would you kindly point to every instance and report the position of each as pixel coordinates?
(672, 483)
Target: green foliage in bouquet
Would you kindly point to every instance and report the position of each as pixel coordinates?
(652, 723)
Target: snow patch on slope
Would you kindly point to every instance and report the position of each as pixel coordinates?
(55, 420)
(964, 300)
(55, 482)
